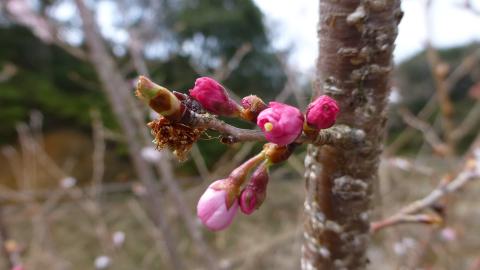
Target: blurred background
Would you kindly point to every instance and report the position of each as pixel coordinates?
(82, 186)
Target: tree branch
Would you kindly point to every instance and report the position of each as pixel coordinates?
(339, 135)
(407, 214)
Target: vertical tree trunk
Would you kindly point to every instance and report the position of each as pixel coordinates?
(355, 60)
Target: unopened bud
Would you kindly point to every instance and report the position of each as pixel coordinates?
(280, 123)
(216, 209)
(160, 99)
(214, 98)
(252, 106)
(278, 153)
(322, 112)
(255, 191)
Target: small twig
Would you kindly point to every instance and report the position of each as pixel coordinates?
(466, 66)
(407, 165)
(337, 135)
(406, 214)
(469, 122)
(428, 132)
(224, 71)
(98, 156)
(439, 70)
(200, 162)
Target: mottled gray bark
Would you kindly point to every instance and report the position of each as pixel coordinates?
(355, 60)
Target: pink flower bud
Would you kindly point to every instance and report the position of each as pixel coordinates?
(18, 267)
(280, 123)
(322, 113)
(254, 193)
(212, 207)
(213, 97)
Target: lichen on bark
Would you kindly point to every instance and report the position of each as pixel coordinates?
(356, 41)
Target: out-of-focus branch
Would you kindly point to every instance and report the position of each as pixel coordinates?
(408, 213)
(428, 132)
(227, 67)
(164, 168)
(468, 123)
(114, 87)
(98, 153)
(466, 66)
(439, 72)
(22, 13)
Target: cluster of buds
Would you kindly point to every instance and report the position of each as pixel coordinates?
(282, 126)
(220, 202)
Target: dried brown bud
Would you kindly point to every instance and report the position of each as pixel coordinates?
(177, 137)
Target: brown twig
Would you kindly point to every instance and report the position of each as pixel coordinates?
(407, 213)
(115, 88)
(227, 67)
(336, 135)
(439, 71)
(164, 167)
(468, 123)
(467, 64)
(428, 132)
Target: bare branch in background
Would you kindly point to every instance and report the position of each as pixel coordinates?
(113, 85)
(164, 167)
(408, 214)
(21, 11)
(428, 132)
(227, 67)
(465, 67)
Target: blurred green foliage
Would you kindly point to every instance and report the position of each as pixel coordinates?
(47, 79)
(64, 88)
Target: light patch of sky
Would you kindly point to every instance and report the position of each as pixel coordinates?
(293, 26)
(105, 15)
(106, 12)
(293, 23)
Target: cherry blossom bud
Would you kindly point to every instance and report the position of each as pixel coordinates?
(118, 238)
(102, 262)
(214, 208)
(254, 193)
(160, 99)
(18, 267)
(68, 182)
(252, 106)
(214, 98)
(322, 112)
(448, 234)
(280, 123)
